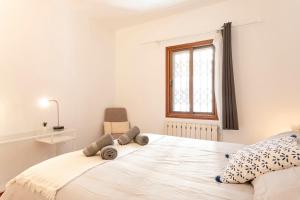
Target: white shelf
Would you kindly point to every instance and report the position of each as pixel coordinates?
(19, 137)
(56, 139)
(34, 135)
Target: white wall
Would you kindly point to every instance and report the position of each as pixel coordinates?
(266, 64)
(48, 49)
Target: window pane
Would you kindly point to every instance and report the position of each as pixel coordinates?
(181, 81)
(203, 82)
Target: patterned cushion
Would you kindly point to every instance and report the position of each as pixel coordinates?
(260, 158)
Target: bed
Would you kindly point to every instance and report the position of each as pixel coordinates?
(167, 168)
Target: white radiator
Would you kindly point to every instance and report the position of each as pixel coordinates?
(191, 130)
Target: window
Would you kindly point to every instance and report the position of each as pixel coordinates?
(190, 81)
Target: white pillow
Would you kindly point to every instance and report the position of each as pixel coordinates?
(260, 158)
(287, 134)
(278, 185)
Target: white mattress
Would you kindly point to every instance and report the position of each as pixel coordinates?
(169, 169)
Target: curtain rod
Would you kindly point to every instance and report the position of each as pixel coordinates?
(201, 33)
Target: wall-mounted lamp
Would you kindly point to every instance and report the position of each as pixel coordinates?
(44, 103)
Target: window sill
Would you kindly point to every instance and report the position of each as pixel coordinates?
(192, 116)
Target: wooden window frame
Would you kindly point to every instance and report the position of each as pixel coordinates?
(191, 115)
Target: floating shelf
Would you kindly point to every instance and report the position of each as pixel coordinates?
(56, 139)
(40, 135)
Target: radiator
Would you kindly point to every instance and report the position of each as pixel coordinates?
(191, 130)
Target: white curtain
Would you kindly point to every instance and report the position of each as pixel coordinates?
(218, 43)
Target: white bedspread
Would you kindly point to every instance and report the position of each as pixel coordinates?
(48, 177)
(169, 169)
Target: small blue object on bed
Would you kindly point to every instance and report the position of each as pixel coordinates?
(218, 179)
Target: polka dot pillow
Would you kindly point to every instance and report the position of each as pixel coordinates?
(260, 158)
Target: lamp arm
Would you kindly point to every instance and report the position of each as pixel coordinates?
(57, 108)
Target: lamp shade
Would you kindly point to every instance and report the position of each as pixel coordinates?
(44, 102)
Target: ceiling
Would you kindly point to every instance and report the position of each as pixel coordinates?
(122, 13)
